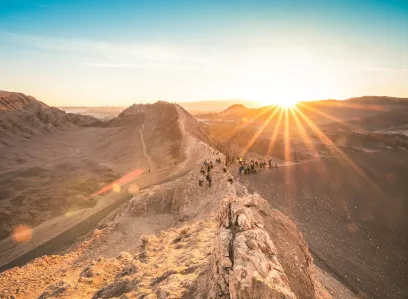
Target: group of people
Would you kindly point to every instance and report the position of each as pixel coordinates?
(253, 166)
(205, 172)
(249, 167)
(246, 167)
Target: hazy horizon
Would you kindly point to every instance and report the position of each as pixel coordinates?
(100, 53)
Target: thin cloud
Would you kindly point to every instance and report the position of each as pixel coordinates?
(153, 66)
(119, 55)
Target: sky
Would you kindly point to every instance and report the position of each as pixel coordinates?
(116, 53)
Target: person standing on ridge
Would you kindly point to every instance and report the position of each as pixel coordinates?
(209, 179)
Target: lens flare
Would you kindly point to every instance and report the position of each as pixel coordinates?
(116, 185)
(116, 188)
(22, 233)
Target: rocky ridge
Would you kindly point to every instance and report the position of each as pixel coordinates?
(239, 248)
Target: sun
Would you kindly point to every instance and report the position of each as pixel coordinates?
(284, 103)
(287, 104)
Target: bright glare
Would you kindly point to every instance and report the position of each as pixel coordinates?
(287, 104)
(286, 78)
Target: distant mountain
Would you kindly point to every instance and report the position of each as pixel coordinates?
(319, 112)
(21, 114)
(380, 100)
(103, 113)
(214, 106)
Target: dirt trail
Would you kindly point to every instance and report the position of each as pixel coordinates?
(152, 165)
(181, 122)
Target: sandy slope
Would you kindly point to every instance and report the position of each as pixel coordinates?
(104, 144)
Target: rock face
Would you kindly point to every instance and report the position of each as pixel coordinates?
(245, 258)
(248, 263)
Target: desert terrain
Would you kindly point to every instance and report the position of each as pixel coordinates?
(112, 208)
(355, 226)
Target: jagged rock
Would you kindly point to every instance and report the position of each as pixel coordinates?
(128, 269)
(256, 271)
(116, 289)
(87, 272)
(55, 290)
(163, 277)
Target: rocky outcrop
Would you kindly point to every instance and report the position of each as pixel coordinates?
(228, 244)
(248, 261)
(245, 259)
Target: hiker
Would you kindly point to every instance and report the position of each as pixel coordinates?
(201, 180)
(211, 165)
(209, 179)
(270, 163)
(230, 178)
(202, 171)
(241, 168)
(224, 168)
(208, 168)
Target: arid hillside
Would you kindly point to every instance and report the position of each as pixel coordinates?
(24, 116)
(53, 162)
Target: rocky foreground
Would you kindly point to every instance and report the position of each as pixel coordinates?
(223, 243)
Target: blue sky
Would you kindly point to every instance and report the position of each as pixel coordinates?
(121, 52)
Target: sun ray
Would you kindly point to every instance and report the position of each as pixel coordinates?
(335, 149)
(258, 133)
(307, 141)
(287, 137)
(241, 127)
(303, 133)
(325, 115)
(274, 134)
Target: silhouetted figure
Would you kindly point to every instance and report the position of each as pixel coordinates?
(209, 179)
(230, 179)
